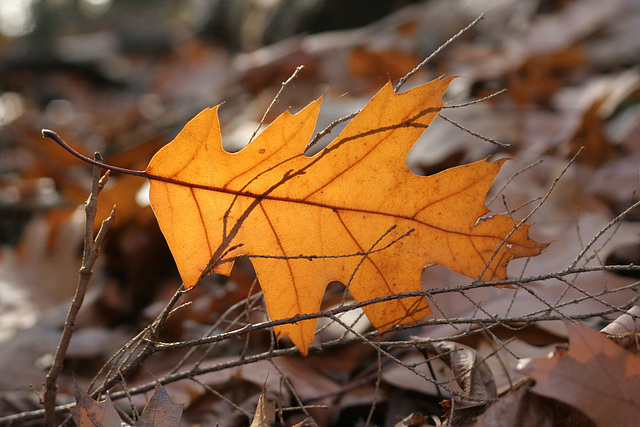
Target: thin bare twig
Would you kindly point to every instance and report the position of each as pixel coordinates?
(376, 390)
(477, 135)
(329, 128)
(602, 231)
(223, 397)
(437, 51)
(293, 392)
(533, 211)
(275, 100)
(511, 178)
(475, 101)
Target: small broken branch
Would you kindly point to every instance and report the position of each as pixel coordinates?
(90, 255)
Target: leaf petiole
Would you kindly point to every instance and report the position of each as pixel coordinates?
(47, 133)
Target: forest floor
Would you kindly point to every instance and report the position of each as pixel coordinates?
(122, 79)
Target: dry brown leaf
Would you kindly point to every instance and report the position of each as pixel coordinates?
(522, 408)
(160, 411)
(596, 376)
(374, 66)
(474, 377)
(591, 137)
(307, 381)
(401, 377)
(91, 413)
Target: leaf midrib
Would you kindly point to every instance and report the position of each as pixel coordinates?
(251, 195)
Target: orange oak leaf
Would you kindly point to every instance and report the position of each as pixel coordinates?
(352, 213)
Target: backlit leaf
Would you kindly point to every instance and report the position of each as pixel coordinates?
(353, 213)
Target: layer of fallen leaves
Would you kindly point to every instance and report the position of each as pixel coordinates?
(158, 412)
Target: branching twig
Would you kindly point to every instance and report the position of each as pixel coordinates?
(90, 255)
(602, 231)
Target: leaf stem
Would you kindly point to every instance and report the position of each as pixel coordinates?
(47, 133)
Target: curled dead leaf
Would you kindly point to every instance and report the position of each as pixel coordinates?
(265, 413)
(625, 329)
(471, 372)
